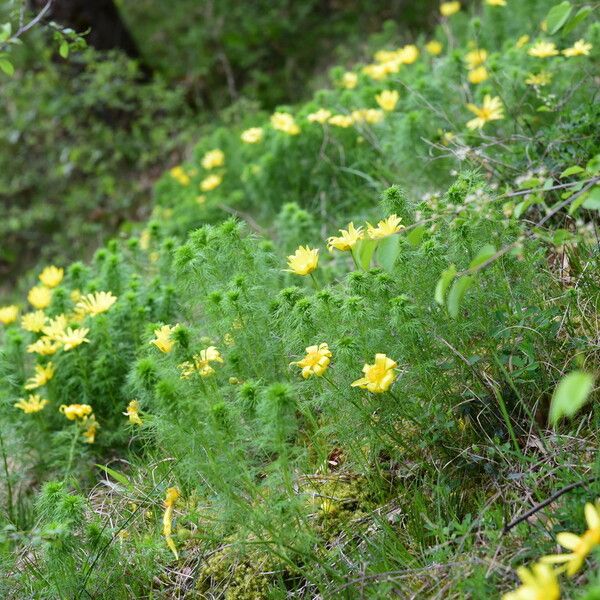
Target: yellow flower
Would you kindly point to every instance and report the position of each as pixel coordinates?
(180, 175)
(372, 115)
(490, 111)
(580, 545)
(33, 404)
(476, 58)
(434, 47)
(55, 328)
(541, 79)
(284, 122)
(543, 49)
(213, 159)
(8, 314)
(95, 304)
(579, 48)
(495, 2)
(163, 341)
(478, 75)
(72, 338)
(522, 41)
(349, 80)
(379, 376)
(202, 362)
(39, 296)
(51, 276)
(254, 135)
(347, 240)
(42, 376)
(449, 8)
(44, 347)
(133, 412)
(316, 361)
(388, 99)
(33, 321)
(538, 583)
(407, 54)
(341, 121)
(385, 228)
(170, 499)
(320, 116)
(376, 72)
(75, 411)
(304, 261)
(75, 295)
(211, 182)
(91, 427)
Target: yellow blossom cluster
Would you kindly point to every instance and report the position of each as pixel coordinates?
(475, 61)
(201, 363)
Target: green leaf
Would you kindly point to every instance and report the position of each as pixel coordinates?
(557, 16)
(581, 15)
(363, 252)
(574, 170)
(457, 293)
(388, 251)
(64, 49)
(416, 236)
(5, 31)
(443, 283)
(570, 395)
(484, 254)
(592, 199)
(7, 67)
(117, 476)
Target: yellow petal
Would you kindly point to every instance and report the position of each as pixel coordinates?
(592, 516)
(567, 540)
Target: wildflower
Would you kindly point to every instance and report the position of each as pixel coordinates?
(539, 80)
(371, 115)
(75, 411)
(228, 340)
(477, 75)
(94, 304)
(379, 376)
(55, 327)
(522, 41)
(211, 182)
(543, 49)
(202, 361)
(187, 369)
(75, 295)
(33, 321)
(44, 347)
(254, 135)
(495, 2)
(449, 8)
(376, 72)
(343, 121)
(39, 297)
(284, 122)
(434, 47)
(316, 361)
(8, 314)
(33, 404)
(385, 228)
(180, 175)
(580, 545)
(579, 48)
(133, 412)
(163, 341)
(490, 111)
(91, 428)
(170, 499)
(304, 261)
(538, 583)
(72, 338)
(213, 159)
(349, 80)
(475, 58)
(42, 376)
(320, 116)
(408, 54)
(388, 99)
(51, 276)
(347, 240)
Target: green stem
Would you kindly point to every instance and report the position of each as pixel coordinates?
(314, 279)
(9, 490)
(72, 451)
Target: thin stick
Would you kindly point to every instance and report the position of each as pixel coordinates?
(545, 503)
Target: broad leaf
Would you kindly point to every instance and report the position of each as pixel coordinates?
(457, 293)
(363, 252)
(570, 395)
(484, 254)
(388, 251)
(117, 476)
(574, 170)
(443, 283)
(558, 16)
